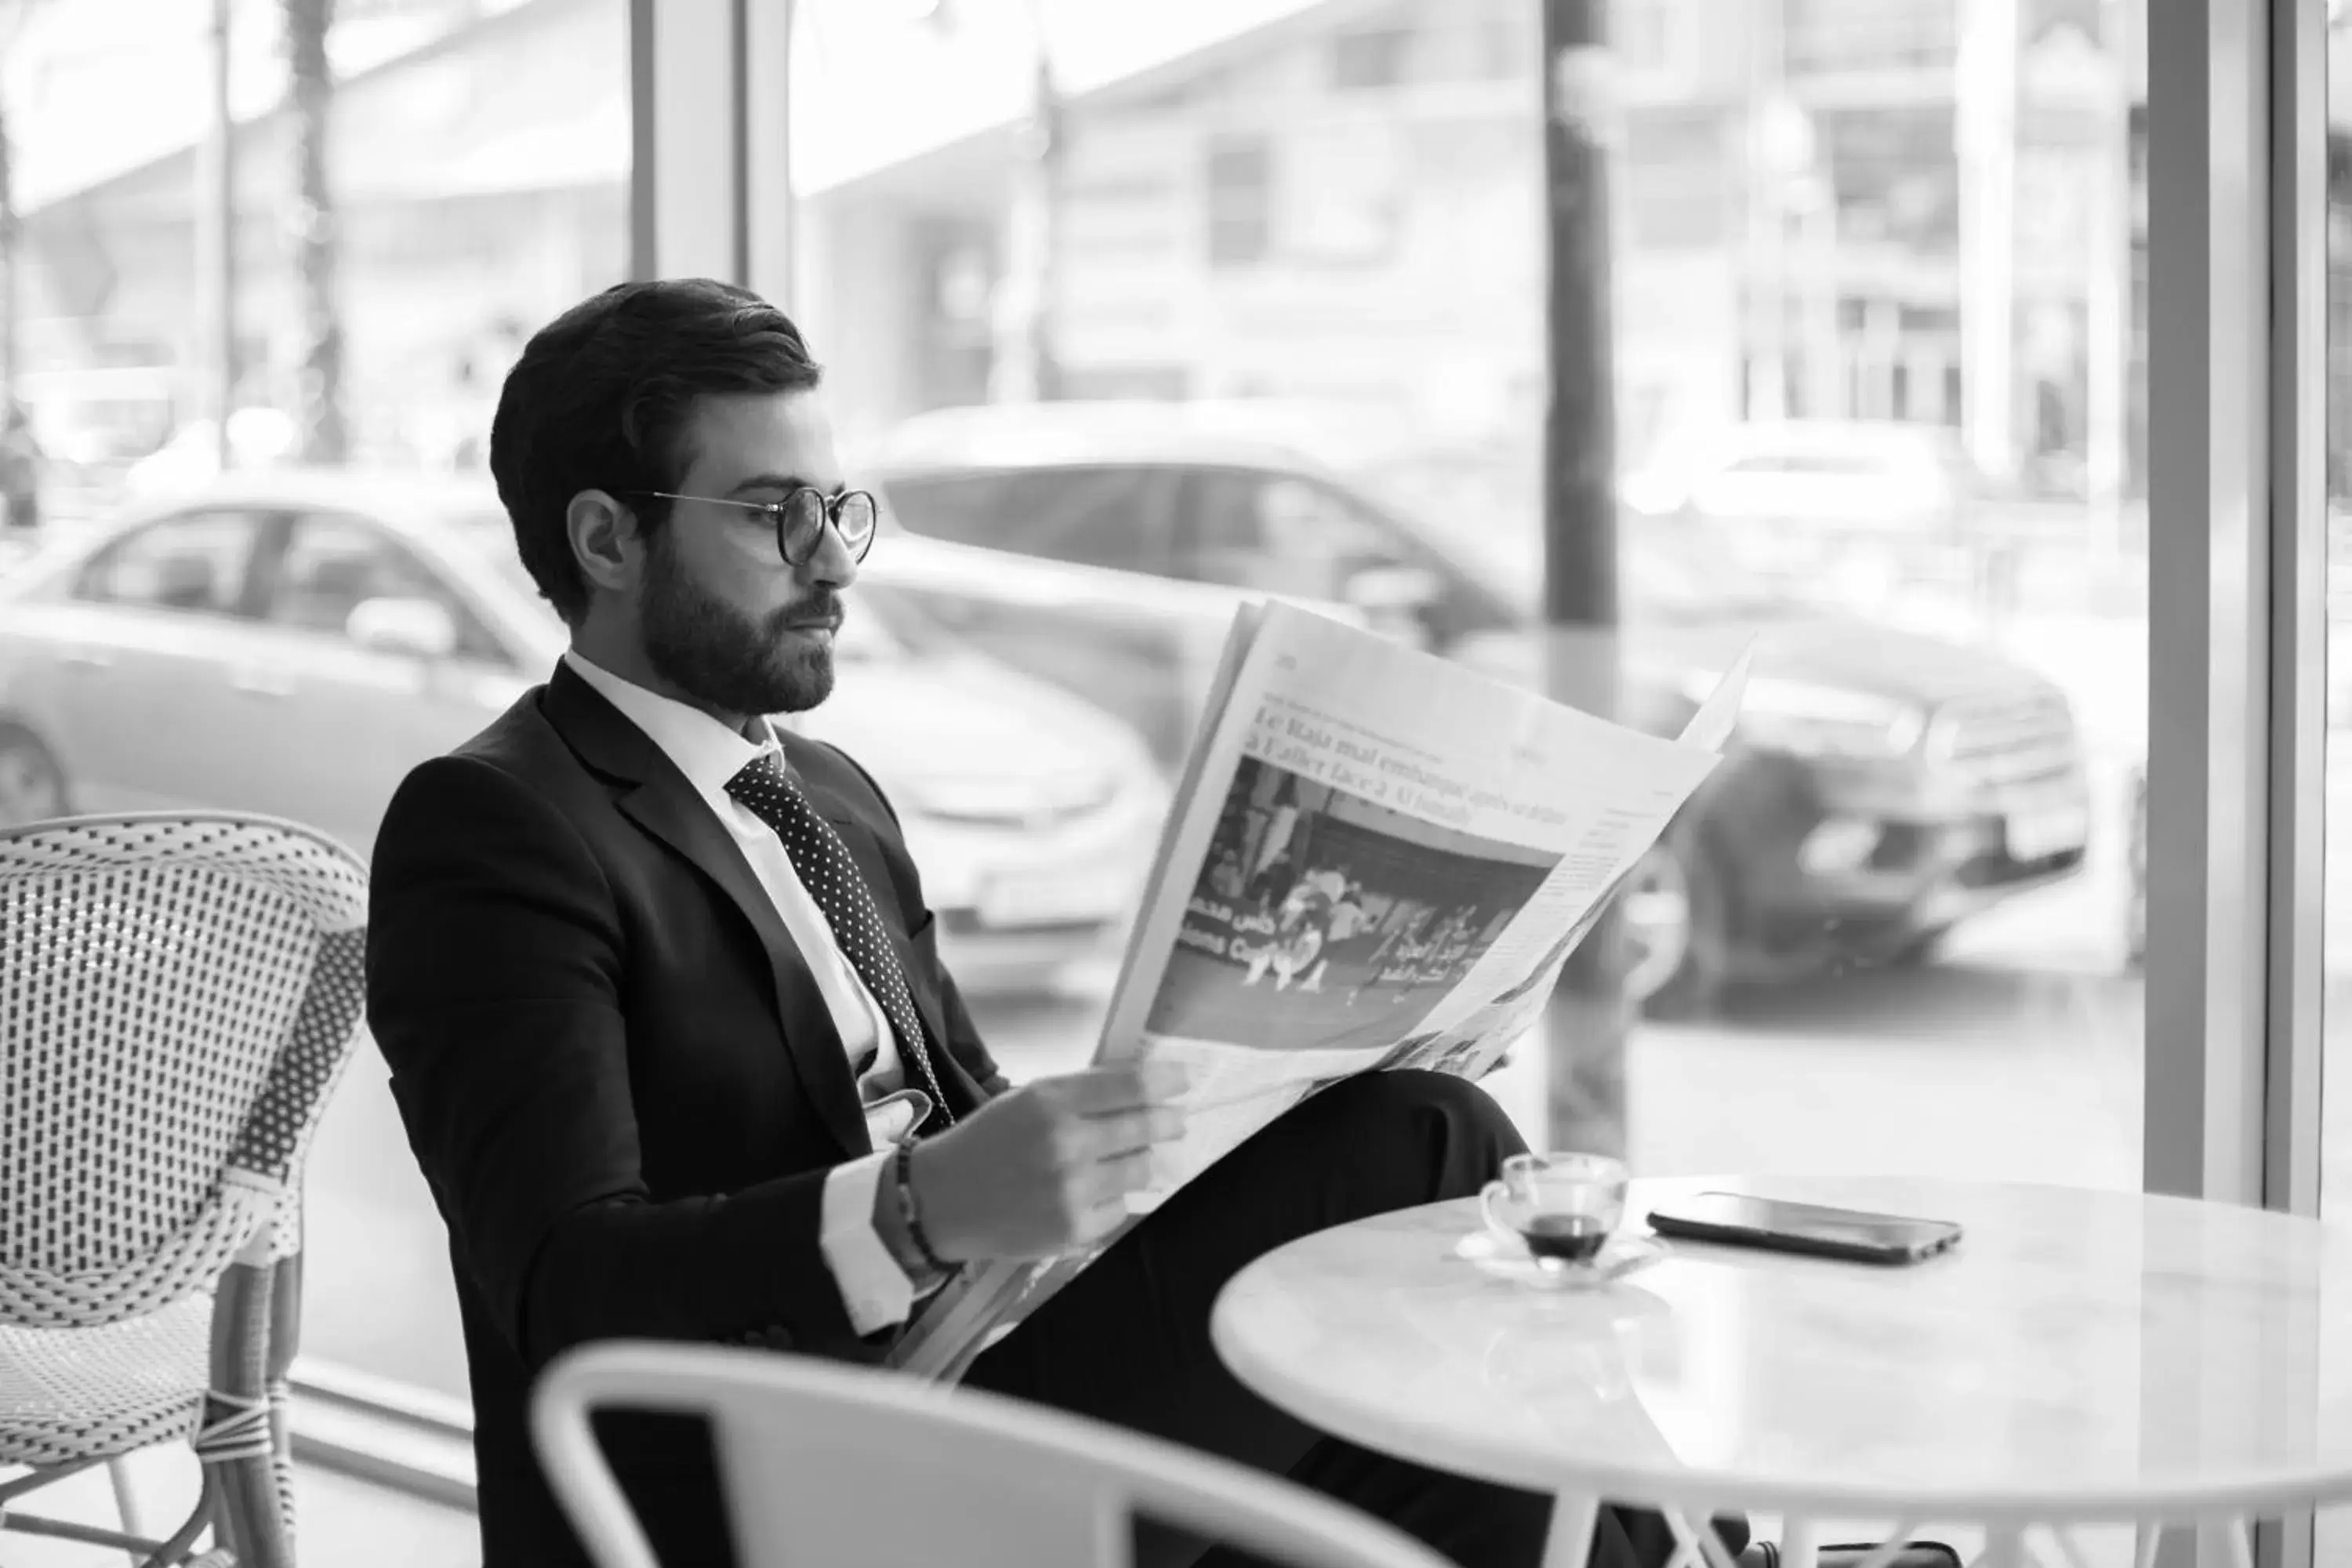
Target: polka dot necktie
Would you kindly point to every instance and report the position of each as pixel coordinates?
(822, 862)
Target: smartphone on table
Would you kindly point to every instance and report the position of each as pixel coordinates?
(1736, 1219)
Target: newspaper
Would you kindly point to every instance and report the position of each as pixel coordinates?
(1376, 860)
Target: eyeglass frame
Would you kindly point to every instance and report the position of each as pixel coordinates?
(830, 506)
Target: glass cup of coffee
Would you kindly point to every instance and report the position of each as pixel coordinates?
(1562, 1207)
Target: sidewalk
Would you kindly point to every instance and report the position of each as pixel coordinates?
(346, 1522)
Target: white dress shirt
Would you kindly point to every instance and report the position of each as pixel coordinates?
(873, 1287)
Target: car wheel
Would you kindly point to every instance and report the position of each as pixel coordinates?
(1671, 915)
(32, 786)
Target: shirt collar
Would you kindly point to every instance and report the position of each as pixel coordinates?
(706, 750)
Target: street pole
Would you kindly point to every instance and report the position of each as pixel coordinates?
(12, 232)
(2108, 295)
(1765, 390)
(1587, 1022)
(1022, 366)
(217, 249)
(11, 295)
(1985, 129)
(325, 432)
(772, 214)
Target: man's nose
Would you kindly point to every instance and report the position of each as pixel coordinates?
(831, 566)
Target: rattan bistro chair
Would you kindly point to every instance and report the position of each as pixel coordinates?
(178, 992)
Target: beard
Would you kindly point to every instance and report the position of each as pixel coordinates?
(724, 658)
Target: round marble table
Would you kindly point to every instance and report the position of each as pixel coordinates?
(2081, 1358)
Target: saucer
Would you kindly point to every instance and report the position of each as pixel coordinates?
(1507, 1258)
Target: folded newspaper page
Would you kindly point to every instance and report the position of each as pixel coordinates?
(1376, 859)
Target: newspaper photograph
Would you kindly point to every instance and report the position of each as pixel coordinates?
(1375, 859)
(1323, 920)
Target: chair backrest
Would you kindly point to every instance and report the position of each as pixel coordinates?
(178, 992)
(827, 1465)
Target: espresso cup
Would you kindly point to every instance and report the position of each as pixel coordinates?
(1562, 1208)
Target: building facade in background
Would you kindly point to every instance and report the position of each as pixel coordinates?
(1827, 209)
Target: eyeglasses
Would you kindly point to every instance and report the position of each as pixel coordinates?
(801, 517)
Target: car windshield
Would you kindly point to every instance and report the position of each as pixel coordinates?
(1657, 582)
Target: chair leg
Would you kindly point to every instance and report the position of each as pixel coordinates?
(79, 1534)
(235, 1443)
(281, 1456)
(284, 1340)
(143, 1550)
(126, 1503)
(143, 1553)
(184, 1540)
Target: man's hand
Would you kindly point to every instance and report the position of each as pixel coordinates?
(1045, 1169)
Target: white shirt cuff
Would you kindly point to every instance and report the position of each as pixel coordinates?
(873, 1287)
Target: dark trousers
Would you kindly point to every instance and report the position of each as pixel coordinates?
(1127, 1341)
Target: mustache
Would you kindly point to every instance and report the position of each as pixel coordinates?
(823, 609)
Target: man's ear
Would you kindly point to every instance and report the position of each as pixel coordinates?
(606, 540)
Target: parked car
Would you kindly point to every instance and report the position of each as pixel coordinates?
(292, 642)
(1884, 786)
(1839, 475)
(1841, 511)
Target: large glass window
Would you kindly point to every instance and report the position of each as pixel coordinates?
(1877, 340)
(1875, 335)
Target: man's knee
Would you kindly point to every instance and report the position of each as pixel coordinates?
(1417, 1094)
(1430, 1135)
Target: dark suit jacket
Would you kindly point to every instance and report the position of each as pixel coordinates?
(619, 1075)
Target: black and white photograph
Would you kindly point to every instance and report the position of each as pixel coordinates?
(383, 384)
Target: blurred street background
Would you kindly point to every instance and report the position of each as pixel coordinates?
(1130, 313)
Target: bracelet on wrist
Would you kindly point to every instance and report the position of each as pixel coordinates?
(910, 1213)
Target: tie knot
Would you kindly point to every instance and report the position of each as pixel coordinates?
(763, 779)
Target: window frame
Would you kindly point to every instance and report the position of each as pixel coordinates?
(2230, 691)
(2237, 613)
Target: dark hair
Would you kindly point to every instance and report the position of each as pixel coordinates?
(600, 400)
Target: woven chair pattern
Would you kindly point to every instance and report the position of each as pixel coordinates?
(77, 1393)
(176, 998)
(178, 994)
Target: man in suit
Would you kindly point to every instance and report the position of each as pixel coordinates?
(666, 1020)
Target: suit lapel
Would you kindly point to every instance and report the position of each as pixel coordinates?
(655, 795)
